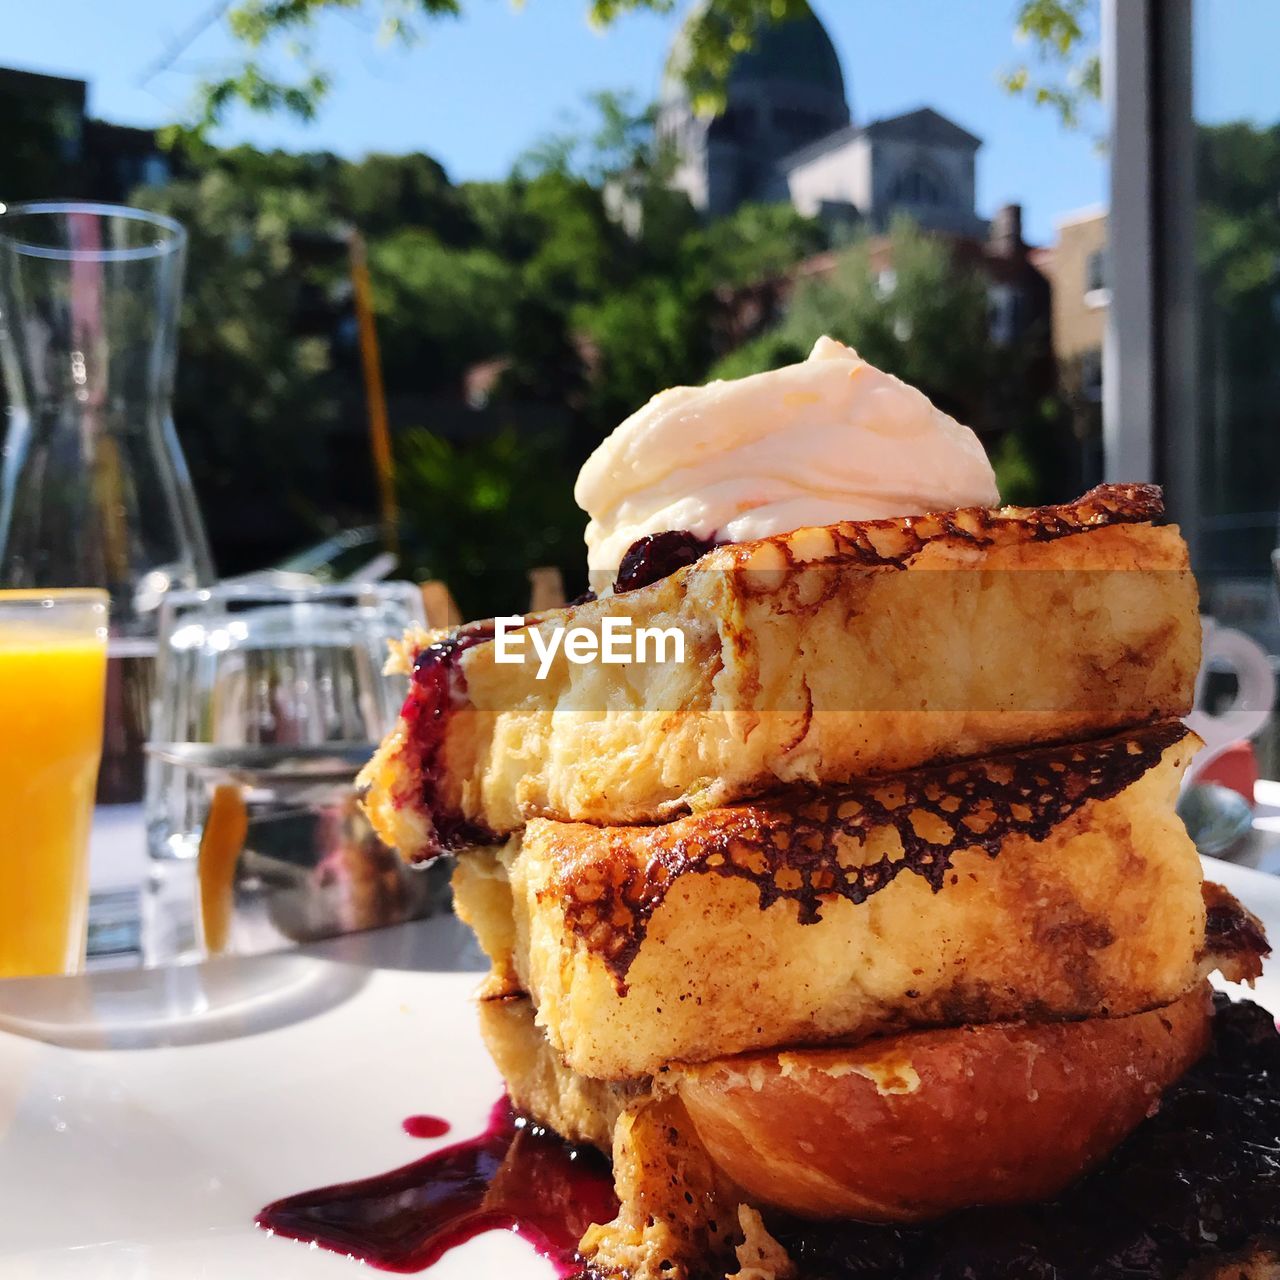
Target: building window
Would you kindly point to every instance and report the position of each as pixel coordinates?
(68, 128)
(1091, 376)
(1004, 314)
(1095, 271)
(1097, 292)
(155, 171)
(919, 186)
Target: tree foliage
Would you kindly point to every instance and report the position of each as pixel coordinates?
(383, 194)
(460, 501)
(255, 398)
(1238, 169)
(652, 335)
(586, 311)
(754, 242)
(910, 308)
(278, 71)
(582, 278)
(1065, 70)
(439, 309)
(924, 319)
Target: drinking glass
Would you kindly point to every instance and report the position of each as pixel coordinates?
(53, 650)
(94, 490)
(269, 700)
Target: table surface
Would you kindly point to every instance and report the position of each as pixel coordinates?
(147, 1115)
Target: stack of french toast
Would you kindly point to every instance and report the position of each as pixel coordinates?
(874, 907)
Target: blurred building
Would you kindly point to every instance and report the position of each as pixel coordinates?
(55, 149)
(786, 133)
(1076, 267)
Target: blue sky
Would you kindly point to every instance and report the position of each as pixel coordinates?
(479, 91)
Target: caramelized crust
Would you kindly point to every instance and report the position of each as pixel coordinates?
(1235, 943)
(816, 657)
(915, 1126)
(795, 847)
(676, 1208)
(1084, 907)
(898, 540)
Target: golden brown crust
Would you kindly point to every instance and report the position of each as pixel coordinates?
(679, 1214)
(1259, 1261)
(816, 658)
(1235, 942)
(895, 542)
(1103, 913)
(912, 1127)
(671, 1190)
(795, 846)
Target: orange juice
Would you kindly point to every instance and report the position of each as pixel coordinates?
(52, 674)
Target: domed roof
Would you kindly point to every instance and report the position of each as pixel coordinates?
(795, 49)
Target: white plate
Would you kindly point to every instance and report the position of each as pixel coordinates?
(145, 1118)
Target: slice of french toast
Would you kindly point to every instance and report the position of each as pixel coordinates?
(814, 657)
(1057, 882)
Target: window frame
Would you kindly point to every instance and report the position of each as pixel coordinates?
(1150, 355)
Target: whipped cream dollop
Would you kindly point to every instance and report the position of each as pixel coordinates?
(830, 439)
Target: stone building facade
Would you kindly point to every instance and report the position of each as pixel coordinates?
(786, 133)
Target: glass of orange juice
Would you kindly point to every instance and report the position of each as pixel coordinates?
(53, 662)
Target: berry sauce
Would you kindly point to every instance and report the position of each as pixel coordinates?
(425, 1126)
(438, 686)
(514, 1176)
(658, 555)
(1197, 1181)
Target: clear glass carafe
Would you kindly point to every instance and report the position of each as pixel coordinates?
(94, 491)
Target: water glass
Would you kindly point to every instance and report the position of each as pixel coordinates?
(269, 700)
(53, 654)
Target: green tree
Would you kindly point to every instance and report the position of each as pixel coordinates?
(1238, 232)
(577, 252)
(275, 38)
(501, 217)
(439, 309)
(383, 194)
(255, 398)
(754, 242)
(619, 139)
(770, 350)
(568, 253)
(924, 320)
(911, 309)
(480, 516)
(1064, 72)
(651, 335)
